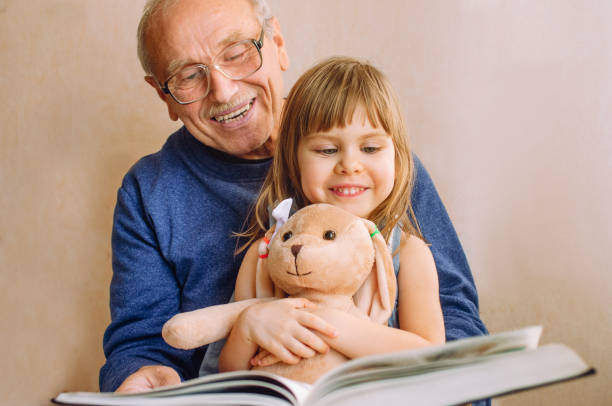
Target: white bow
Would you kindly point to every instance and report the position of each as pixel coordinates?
(280, 214)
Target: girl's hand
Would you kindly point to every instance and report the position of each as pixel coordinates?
(264, 359)
(285, 329)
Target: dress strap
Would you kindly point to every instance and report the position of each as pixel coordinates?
(394, 242)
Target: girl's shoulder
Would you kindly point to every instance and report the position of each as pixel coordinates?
(417, 263)
(411, 242)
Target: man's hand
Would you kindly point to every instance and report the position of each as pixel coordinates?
(285, 329)
(149, 377)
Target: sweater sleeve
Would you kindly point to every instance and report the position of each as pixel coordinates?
(144, 294)
(458, 295)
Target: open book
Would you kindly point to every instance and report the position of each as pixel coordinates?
(458, 372)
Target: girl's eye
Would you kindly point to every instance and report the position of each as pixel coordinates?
(327, 151)
(329, 235)
(287, 235)
(370, 149)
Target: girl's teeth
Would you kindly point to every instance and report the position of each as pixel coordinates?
(350, 191)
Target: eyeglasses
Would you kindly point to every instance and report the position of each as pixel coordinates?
(235, 62)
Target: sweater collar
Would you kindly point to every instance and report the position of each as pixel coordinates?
(221, 164)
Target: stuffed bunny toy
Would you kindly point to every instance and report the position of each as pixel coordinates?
(322, 253)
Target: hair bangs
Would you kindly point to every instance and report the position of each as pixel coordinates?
(336, 93)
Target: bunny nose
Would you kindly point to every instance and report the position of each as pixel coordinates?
(295, 249)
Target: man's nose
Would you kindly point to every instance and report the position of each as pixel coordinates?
(222, 88)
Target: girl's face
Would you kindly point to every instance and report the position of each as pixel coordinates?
(351, 167)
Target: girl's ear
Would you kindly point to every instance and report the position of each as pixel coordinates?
(377, 294)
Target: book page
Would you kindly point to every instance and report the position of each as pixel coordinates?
(428, 359)
(494, 375)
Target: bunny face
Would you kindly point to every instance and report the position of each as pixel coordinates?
(323, 249)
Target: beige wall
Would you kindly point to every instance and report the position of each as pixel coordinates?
(508, 104)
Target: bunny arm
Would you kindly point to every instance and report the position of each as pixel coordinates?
(203, 326)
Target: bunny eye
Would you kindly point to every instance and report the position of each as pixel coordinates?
(287, 235)
(329, 235)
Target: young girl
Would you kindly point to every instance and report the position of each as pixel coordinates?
(343, 142)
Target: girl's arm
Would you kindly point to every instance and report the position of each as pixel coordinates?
(238, 350)
(280, 326)
(420, 314)
(419, 306)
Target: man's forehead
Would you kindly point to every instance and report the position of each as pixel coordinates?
(196, 31)
(221, 22)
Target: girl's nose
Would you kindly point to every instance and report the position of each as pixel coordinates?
(222, 88)
(349, 164)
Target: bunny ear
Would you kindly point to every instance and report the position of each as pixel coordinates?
(377, 294)
(280, 214)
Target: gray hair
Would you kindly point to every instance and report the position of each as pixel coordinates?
(152, 7)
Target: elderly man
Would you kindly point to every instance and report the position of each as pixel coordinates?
(217, 64)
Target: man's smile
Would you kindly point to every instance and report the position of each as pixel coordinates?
(237, 114)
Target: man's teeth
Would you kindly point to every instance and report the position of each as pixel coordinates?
(348, 191)
(234, 115)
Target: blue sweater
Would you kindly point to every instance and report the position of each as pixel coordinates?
(173, 251)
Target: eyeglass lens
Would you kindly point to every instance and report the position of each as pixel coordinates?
(235, 62)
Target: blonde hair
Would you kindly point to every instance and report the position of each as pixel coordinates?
(324, 97)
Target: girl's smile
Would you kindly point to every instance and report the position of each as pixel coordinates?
(352, 167)
(348, 190)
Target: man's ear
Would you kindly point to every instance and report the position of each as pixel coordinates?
(279, 40)
(151, 80)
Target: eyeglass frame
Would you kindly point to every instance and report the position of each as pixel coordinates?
(207, 68)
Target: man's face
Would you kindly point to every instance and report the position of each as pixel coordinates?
(239, 117)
